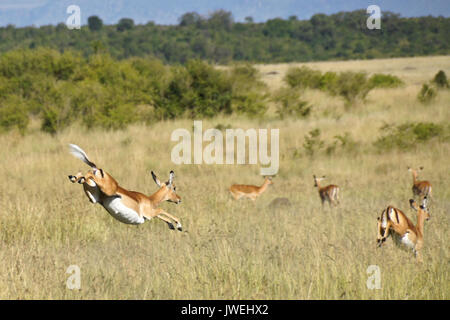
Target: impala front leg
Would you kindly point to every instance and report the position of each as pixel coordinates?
(179, 227)
(168, 218)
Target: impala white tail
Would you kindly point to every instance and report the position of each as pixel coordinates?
(77, 152)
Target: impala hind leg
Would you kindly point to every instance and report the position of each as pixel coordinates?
(336, 197)
(76, 177)
(89, 186)
(386, 232)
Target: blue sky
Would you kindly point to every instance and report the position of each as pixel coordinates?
(41, 12)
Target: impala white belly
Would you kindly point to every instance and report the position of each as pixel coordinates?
(407, 242)
(118, 210)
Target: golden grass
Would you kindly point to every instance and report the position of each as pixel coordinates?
(232, 249)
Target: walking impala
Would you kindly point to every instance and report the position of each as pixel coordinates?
(394, 221)
(420, 188)
(126, 206)
(328, 193)
(252, 192)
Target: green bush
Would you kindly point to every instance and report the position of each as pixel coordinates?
(289, 104)
(13, 114)
(345, 143)
(248, 91)
(440, 80)
(303, 77)
(328, 81)
(408, 135)
(379, 80)
(99, 91)
(427, 94)
(313, 144)
(352, 86)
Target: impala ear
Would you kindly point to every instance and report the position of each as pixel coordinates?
(171, 176)
(155, 178)
(424, 204)
(412, 204)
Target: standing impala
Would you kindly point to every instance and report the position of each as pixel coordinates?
(126, 206)
(328, 193)
(394, 221)
(420, 188)
(252, 192)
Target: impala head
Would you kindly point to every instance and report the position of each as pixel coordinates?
(423, 208)
(168, 187)
(268, 180)
(414, 171)
(317, 180)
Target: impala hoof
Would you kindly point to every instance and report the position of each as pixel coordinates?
(171, 227)
(179, 228)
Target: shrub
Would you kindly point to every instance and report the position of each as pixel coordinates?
(379, 80)
(344, 142)
(328, 81)
(409, 135)
(303, 77)
(289, 104)
(13, 114)
(313, 143)
(440, 80)
(352, 86)
(247, 87)
(426, 94)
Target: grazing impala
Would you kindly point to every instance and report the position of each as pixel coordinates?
(328, 193)
(240, 190)
(420, 188)
(394, 221)
(126, 206)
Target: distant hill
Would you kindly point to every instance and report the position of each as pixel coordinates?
(44, 12)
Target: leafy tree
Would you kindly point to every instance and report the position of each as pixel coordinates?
(440, 80)
(95, 23)
(125, 24)
(189, 19)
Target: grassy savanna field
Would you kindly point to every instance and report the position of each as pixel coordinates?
(232, 249)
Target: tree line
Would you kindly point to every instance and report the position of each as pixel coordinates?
(217, 38)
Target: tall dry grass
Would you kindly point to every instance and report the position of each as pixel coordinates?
(231, 249)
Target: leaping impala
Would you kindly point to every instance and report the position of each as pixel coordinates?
(420, 188)
(126, 206)
(328, 193)
(394, 221)
(248, 191)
